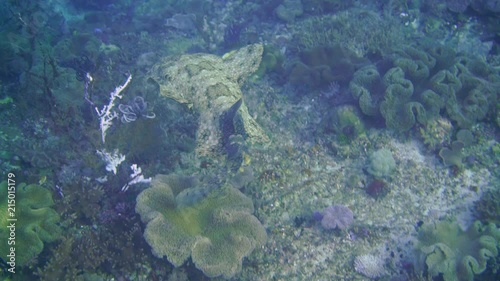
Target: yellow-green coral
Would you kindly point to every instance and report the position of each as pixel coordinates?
(216, 228)
(36, 222)
(347, 119)
(458, 255)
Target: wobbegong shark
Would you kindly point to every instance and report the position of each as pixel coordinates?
(210, 85)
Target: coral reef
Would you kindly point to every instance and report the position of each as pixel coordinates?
(421, 82)
(216, 228)
(337, 80)
(83, 201)
(89, 251)
(319, 66)
(36, 221)
(366, 81)
(349, 29)
(456, 254)
(99, 224)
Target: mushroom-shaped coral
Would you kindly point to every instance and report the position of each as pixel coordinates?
(458, 255)
(453, 156)
(216, 228)
(337, 216)
(36, 222)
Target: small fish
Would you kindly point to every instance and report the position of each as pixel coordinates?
(59, 191)
(42, 180)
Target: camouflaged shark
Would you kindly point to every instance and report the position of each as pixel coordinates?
(210, 85)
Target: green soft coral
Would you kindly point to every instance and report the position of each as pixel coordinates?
(36, 221)
(458, 255)
(398, 109)
(216, 228)
(467, 89)
(399, 96)
(366, 86)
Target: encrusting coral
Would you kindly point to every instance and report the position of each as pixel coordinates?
(36, 221)
(458, 255)
(216, 228)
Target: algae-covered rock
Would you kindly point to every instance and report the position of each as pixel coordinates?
(211, 85)
(215, 227)
(444, 249)
(36, 221)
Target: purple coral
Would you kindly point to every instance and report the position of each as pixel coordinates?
(337, 216)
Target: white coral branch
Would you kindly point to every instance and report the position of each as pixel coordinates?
(136, 177)
(106, 115)
(112, 160)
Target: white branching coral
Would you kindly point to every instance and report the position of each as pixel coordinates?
(112, 159)
(369, 265)
(106, 114)
(136, 177)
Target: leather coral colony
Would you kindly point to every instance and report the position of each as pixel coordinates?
(215, 228)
